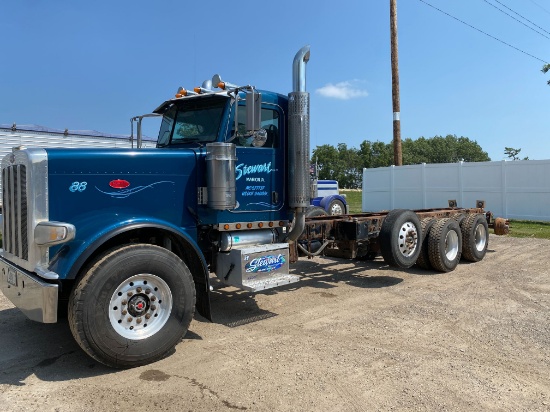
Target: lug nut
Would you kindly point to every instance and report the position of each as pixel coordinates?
(130, 294)
(147, 290)
(153, 307)
(147, 316)
(124, 302)
(130, 319)
(124, 312)
(138, 320)
(153, 298)
(138, 290)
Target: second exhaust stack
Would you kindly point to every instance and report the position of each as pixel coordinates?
(298, 144)
(298, 133)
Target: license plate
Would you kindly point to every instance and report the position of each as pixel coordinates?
(12, 277)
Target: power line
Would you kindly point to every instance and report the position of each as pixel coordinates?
(519, 21)
(481, 31)
(534, 2)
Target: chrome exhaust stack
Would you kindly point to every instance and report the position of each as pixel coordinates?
(298, 143)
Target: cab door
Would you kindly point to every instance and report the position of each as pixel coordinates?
(260, 173)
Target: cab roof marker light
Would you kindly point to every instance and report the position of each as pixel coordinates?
(202, 90)
(219, 83)
(184, 92)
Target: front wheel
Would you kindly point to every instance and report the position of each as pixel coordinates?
(336, 208)
(132, 306)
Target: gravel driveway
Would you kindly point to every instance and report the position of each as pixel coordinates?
(351, 337)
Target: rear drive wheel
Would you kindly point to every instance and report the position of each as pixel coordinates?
(400, 238)
(475, 237)
(132, 306)
(423, 260)
(445, 245)
(336, 208)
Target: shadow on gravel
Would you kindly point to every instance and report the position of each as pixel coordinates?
(47, 351)
(232, 307)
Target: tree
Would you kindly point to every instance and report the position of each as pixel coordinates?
(545, 69)
(513, 153)
(339, 163)
(375, 154)
(346, 164)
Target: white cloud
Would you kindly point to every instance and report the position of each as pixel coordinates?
(342, 90)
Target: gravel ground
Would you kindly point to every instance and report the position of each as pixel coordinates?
(351, 337)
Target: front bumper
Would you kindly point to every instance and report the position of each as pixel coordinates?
(36, 298)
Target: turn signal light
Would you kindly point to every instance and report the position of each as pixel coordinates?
(53, 233)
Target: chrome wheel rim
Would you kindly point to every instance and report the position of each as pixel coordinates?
(140, 306)
(480, 238)
(336, 209)
(408, 239)
(451, 245)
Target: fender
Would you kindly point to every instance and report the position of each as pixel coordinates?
(325, 202)
(316, 201)
(70, 258)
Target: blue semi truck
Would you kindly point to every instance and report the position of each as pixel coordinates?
(325, 194)
(128, 241)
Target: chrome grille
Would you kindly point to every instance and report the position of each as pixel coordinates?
(14, 203)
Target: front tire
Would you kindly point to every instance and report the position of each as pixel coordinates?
(336, 208)
(132, 306)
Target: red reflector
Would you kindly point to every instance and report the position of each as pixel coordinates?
(119, 184)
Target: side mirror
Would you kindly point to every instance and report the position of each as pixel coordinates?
(253, 110)
(260, 137)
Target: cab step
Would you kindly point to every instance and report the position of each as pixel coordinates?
(255, 268)
(256, 285)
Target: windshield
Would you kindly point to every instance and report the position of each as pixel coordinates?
(193, 120)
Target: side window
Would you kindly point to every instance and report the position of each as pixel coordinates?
(270, 122)
(166, 127)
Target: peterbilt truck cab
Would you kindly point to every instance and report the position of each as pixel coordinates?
(126, 240)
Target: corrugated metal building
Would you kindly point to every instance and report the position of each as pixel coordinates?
(38, 136)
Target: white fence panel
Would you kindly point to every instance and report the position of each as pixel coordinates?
(515, 190)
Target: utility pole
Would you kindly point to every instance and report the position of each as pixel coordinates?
(397, 153)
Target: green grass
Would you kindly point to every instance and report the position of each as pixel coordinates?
(518, 228)
(526, 228)
(354, 199)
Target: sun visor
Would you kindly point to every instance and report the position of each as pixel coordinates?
(168, 103)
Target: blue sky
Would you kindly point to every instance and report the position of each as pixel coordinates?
(93, 65)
